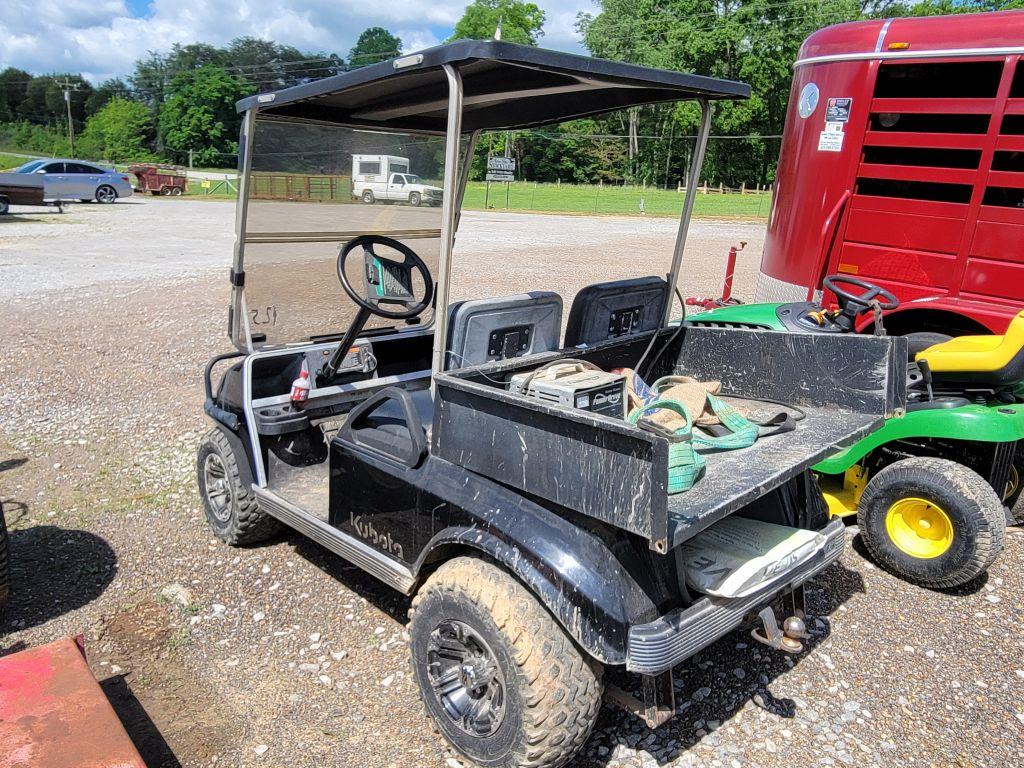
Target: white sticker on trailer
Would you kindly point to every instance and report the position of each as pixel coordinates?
(830, 141)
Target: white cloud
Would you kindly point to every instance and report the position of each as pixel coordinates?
(101, 38)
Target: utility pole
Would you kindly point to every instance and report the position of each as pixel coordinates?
(67, 86)
(190, 157)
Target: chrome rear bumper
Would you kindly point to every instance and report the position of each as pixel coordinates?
(661, 644)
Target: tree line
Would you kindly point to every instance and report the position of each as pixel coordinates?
(178, 105)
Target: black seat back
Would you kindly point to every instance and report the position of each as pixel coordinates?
(495, 329)
(616, 309)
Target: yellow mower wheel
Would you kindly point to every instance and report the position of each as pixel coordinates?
(919, 528)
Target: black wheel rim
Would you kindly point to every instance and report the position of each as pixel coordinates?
(218, 489)
(466, 679)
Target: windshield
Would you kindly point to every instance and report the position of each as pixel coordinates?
(413, 179)
(311, 191)
(30, 167)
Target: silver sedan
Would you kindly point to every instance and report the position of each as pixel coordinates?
(75, 180)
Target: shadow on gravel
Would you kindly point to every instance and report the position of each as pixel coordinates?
(714, 685)
(136, 721)
(971, 587)
(53, 571)
(353, 578)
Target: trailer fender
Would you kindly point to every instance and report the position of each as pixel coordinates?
(979, 423)
(570, 570)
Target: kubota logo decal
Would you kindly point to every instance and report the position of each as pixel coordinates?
(381, 539)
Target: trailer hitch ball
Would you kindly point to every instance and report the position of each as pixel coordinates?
(786, 639)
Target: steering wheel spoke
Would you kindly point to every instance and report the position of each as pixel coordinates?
(412, 305)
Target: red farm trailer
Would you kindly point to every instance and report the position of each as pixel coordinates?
(160, 179)
(903, 163)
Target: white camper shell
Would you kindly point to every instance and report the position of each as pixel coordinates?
(387, 178)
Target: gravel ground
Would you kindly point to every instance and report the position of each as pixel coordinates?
(283, 655)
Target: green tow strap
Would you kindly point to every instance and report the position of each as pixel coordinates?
(685, 465)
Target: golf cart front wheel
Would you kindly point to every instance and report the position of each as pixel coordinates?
(230, 507)
(502, 681)
(933, 522)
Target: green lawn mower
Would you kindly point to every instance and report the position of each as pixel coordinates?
(935, 487)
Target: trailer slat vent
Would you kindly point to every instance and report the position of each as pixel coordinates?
(915, 190)
(1017, 87)
(1008, 161)
(921, 156)
(1004, 197)
(954, 80)
(929, 123)
(1013, 125)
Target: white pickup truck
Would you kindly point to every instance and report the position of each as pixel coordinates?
(387, 178)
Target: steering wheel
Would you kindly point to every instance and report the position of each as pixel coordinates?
(852, 305)
(391, 279)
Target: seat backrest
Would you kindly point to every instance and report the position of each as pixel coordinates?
(495, 329)
(612, 310)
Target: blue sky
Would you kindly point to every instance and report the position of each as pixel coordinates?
(103, 38)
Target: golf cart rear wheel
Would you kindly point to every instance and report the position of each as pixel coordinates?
(231, 509)
(933, 522)
(368, 197)
(502, 681)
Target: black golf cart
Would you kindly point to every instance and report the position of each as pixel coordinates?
(539, 537)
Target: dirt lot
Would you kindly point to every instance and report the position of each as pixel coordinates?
(283, 655)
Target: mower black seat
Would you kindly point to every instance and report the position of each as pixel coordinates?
(616, 309)
(496, 329)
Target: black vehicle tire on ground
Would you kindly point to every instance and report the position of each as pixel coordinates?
(5, 206)
(231, 509)
(960, 522)
(919, 341)
(176, 191)
(550, 692)
(415, 199)
(368, 197)
(165, 191)
(106, 194)
(5, 562)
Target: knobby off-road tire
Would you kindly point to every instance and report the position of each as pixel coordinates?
(5, 563)
(969, 505)
(551, 692)
(231, 509)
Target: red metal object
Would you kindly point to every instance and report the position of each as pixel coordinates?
(53, 713)
(730, 271)
(160, 179)
(923, 193)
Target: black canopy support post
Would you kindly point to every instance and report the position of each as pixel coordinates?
(692, 178)
(449, 207)
(239, 331)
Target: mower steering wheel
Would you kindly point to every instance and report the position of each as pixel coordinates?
(852, 305)
(391, 278)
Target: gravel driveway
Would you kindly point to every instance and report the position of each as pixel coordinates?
(283, 655)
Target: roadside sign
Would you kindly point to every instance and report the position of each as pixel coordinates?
(501, 169)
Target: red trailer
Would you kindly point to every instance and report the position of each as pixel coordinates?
(54, 713)
(903, 163)
(160, 179)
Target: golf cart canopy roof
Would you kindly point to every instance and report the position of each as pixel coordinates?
(506, 86)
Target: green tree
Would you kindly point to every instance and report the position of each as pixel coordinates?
(199, 114)
(521, 22)
(13, 85)
(121, 131)
(104, 92)
(374, 44)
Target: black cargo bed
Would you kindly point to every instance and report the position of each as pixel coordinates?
(615, 472)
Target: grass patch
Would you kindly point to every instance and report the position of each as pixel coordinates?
(611, 200)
